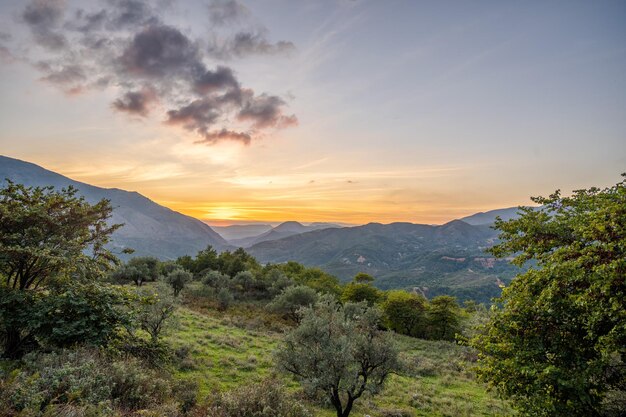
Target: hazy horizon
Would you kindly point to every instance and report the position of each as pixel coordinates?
(334, 111)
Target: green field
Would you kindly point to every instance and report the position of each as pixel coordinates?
(223, 350)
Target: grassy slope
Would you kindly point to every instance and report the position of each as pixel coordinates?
(228, 349)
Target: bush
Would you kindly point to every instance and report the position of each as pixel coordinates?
(224, 299)
(293, 299)
(87, 382)
(265, 399)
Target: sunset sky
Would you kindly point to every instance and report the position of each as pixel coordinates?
(346, 111)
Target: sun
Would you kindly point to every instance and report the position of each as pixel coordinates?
(224, 213)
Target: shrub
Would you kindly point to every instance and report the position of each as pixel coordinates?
(224, 299)
(293, 299)
(87, 382)
(265, 399)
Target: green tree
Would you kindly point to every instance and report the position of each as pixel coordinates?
(363, 278)
(361, 289)
(339, 352)
(292, 299)
(444, 319)
(46, 236)
(178, 280)
(556, 341)
(405, 313)
(156, 308)
(137, 270)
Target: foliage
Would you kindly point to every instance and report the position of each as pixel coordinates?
(292, 299)
(339, 352)
(137, 270)
(363, 278)
(556, 345)
(45, 235)
(444, 320)
(265, 399)
(155, 311)
(224, 299)
(85, 379)
(178, 279)
(65, 315)
(358, 291)
(405, 313)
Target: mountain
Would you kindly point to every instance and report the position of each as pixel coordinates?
(241, 231)
(489, 217)
(281, 231)
(149, 228)
(436, 259)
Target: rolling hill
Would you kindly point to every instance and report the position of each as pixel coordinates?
(281, 231)
(149, 228)
(434, 259)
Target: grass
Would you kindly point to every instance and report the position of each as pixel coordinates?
(223, 350)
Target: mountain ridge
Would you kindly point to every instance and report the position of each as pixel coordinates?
(149, 228)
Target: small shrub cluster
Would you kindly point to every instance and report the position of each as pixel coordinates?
(265, 399)
(89, 382)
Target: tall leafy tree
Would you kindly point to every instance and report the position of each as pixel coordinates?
(52, 236)
(47, 234)
(556, 345)
(339, 352)
(444, 320)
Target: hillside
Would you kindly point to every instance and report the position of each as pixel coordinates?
(444, 259)
(489, 217)
(149, 228)
(281, 231)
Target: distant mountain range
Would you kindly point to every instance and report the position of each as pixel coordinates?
(149, 228)
(281, 231)
(448, 259)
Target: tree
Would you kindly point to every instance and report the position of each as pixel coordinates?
(178, 279)
(444, 320)
(292, 299)
(361, 290)
(405, 313)
(137, 270)
(339, 352)
(363, 278)
(156, 308)
(47, 234)
(556, 340)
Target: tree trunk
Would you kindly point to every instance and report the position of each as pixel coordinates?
(13, 345)
(346, 412)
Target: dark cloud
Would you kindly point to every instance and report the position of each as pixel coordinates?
(135, 102)
(159, 51)
(219, 79)
(266, 111)
(249, 43)
(43, 18)
(225, 134)
(127, 45)
(199, 115)
(223, 12)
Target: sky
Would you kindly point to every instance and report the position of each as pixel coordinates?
(338, 110)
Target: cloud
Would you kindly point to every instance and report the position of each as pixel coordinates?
(222, 12)
(159, 51)
(128, 46)
(224, 134)
(135, 102)
(249, 43)
(265, 111)
(43, 18)
(219, 79)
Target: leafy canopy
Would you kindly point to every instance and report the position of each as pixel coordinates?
(557, 344)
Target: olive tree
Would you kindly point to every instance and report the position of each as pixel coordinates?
(339, 352)
(178, 280)
(292, 299)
